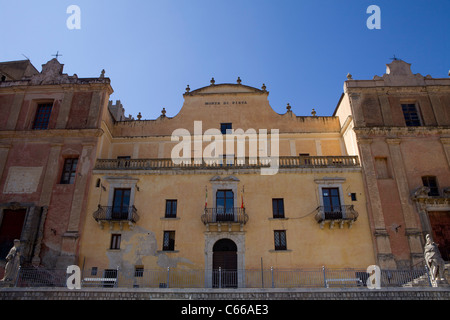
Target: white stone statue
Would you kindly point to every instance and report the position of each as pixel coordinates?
(434, 261)
(13, 262)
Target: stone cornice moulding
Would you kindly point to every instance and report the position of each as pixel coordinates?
(393, 141)
(330, 180)
(219, 171)
(445, 140)
(39, 134)
(393, 132)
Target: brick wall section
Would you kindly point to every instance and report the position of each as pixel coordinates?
(225, 294)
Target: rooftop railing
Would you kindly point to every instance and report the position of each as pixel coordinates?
(236, 162)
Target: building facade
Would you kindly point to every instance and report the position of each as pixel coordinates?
(49, 130)
(277, 190)
(398, 124)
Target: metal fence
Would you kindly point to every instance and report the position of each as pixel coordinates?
(219, 278)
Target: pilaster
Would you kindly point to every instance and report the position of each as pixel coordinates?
(446, 145)
(385, 259)
(401, 179)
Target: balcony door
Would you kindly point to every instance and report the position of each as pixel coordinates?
(121, 204)
(224, 205)
(331, 203)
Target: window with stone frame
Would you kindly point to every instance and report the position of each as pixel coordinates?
(69, 171)
(224, 127)
(431, 182)
(280, 239)
(169, 241)
(411, 115)
(42, 117)
(115, 241)
(278, 208)
(171, 209)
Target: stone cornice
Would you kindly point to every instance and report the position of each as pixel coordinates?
(24, 86)
(217, 171)
(51, 133)
(393, 132)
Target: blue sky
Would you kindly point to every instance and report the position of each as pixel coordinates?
(302, 50)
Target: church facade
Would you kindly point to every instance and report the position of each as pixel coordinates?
(398, 124)
(48, 140)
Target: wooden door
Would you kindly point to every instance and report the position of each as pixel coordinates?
(440, 224)
(225, 264)
(10, 229)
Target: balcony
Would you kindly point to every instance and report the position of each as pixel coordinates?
(221, 216)
(244, 163)
(116, 215)
(336, 214)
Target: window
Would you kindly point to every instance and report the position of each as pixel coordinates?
(42, 117)
(224, 205)
(115, 241)
(280, 239)
(278, 208)
(69, 170)
(109, 274)
(411, 115)
(121, 204)
(94, 271)
(224, 127)
(139, 271)
(381, 167)
(431, 182)
(169, 241)
(331, 203)
(171, 209)
(353, 196)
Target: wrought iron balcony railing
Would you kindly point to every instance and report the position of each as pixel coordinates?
(245, 162)
(226, 215)
(332, 214)
(116, 214)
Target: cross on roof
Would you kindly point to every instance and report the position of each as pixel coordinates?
(394, 58)
(56, 55)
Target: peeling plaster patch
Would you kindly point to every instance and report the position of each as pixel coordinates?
(22, 179)
(137, 245)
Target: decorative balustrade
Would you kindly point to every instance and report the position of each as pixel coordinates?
(111, 214)
(213, 215)
(219, 216)
(214, 163)
(333, 214)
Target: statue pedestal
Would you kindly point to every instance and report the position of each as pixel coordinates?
(440, 283)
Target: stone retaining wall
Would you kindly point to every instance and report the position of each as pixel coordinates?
(225, 294)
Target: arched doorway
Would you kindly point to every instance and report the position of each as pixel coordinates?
(225, 264)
